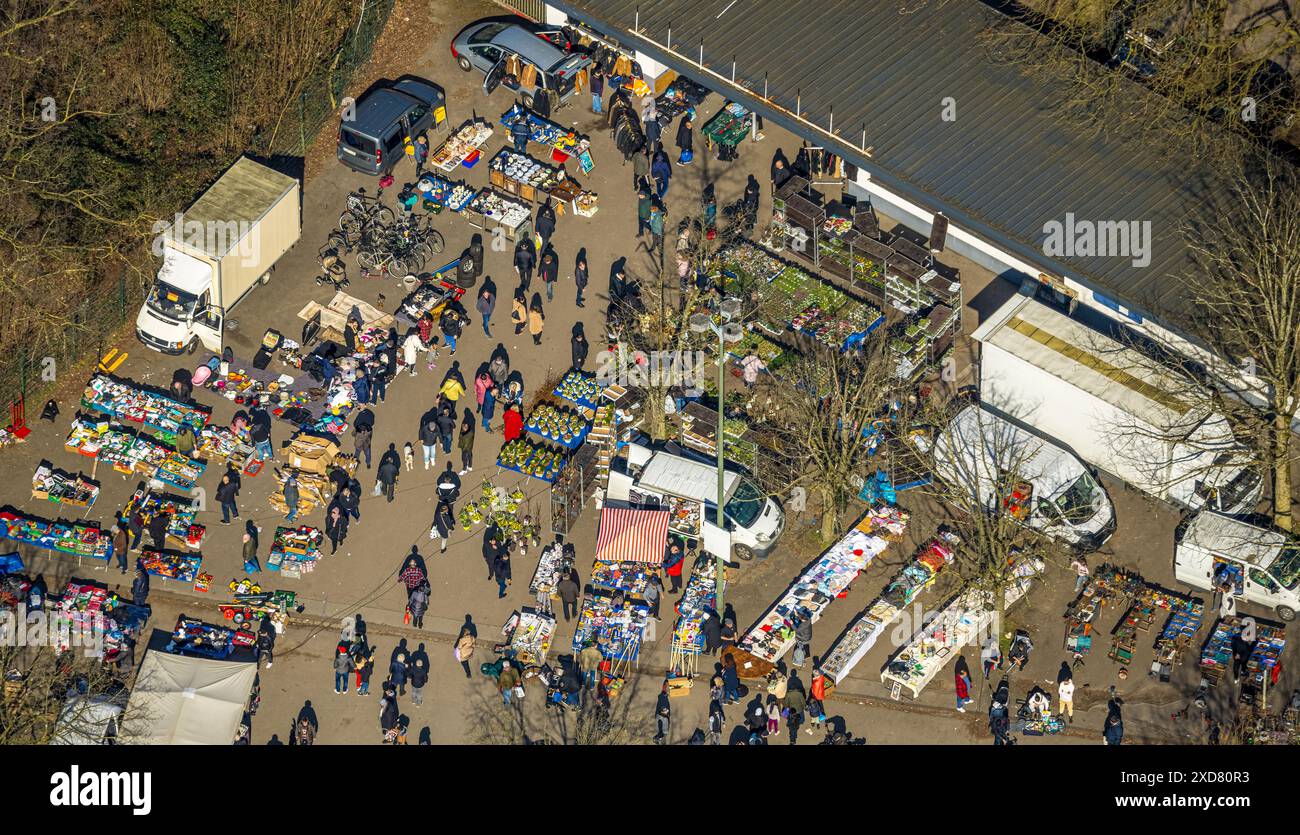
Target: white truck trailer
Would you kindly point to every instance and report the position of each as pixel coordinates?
(215, 254)
(1113, 406)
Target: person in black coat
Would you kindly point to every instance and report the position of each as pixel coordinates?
(579, 346)
(158, 529)
(525, 257)
(140, 588)
(501, 571)
(492, 548)
(444, 522)
(549, 273)
(389, 466)
(685, 139)
(336, 524)
(545, 223)
(352, 499)
(581, 274)
(226, 492)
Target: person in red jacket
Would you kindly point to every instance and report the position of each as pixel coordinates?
(674, 559)
(514, 423)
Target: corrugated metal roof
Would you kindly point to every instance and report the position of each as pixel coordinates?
(1002, 169)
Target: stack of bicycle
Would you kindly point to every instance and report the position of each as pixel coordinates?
(383, 243)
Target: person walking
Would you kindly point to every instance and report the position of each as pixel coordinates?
(589, 661)
(1114, 732)
(544, 226)
(489, 408)
(802, 640)
(140, 586)
(643, 203)
(444, 522)
(568, 591)
(662, 172)
(158, 529)
(579, 346)
(487, 302)
(1079, 566)
(364, 659)
(121, 545)
(730, 680)
(342, 666)
(482, 382)
(501, 572)
(656, 229)
(817, 704)
(448, 486)
(597, 89)
(446, 426)
(549, 272)
(226, 492)
(536, 318)
(361, 437)
(304, 732)
(390, 717)
(336, 525)
(465, 442)
(795, 703)
(525, 258)
(419, 674)
(961, 682)
(429, 438)
(685, 140)
(450, 324)
(136, 526)
(491, 549)
(397, 672)
(717, 722)
(674, 560)
(663, 716)
(581, 275)
(453, 386)
(1065, 690)
(519, 311)
(464, 650)
(251, 565)
(389, 468)
(990, 656)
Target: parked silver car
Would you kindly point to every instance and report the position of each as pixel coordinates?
(487, 46)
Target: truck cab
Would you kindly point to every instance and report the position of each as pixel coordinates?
(1002, 467)
(178, 313)
(752, 521)
(1262, 566)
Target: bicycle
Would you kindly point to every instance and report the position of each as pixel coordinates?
(364, 211)
(385, 261)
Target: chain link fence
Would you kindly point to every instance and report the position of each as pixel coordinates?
(319, 100)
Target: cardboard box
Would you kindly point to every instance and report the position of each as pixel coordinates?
(311, 454)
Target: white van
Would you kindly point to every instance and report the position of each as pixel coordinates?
(752, 521)
(1264, 564)
(1004, 467)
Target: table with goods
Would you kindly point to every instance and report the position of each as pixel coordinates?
(170, 565)
(437, 193)
(500, 210)
(63, 488)
(616, 632)
(560, 423)
(729, 126)
(181, 513)
(223, 442)
(554, 564)
(207, 640)
(134, 403)
(431, 296)
(699, 597)
(295, 551)
(96, 617)
(1265, 655)
(81, 539)
(965, 620)
(462, 147)
(522, 176)
(530, 635)
(807, 597)
(630, 577)
(564, 143)
(131, 452)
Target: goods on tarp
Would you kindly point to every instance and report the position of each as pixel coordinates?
(90, 616)
(295, 550)
(194, 637)
(180, 513)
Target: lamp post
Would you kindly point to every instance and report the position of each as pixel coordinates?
(729, 331)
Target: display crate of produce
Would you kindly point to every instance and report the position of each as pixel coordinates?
(559, 424)
(579, 387)
(531, 459)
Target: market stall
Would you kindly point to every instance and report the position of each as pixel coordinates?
(580, 387)
(133, 402)
(462, 146)
(224, 443)
(560, 424)
(501, 211)
(63, 488)
(616, 630)
(729, 126)
(187, 700)
(531, 458)
(130, 452)
(633, 536)
(1265, 654)
(530, 634)
(182, 529)
(295, 551)
(437, 193)
(699, 597)
(965, 620)
(553, 565)
(432, 295)
(522, 176)
(170, 565)
(772, 636)
(563, 143)
(81, 539)
(89, 615)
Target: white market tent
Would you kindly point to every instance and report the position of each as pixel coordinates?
(182, 700)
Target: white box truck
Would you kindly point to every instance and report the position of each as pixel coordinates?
(1000, 467)
(1114, 407)
(752, 520)
(1260, 565)
(215, 254)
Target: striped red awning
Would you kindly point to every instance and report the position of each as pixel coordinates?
(632, 535)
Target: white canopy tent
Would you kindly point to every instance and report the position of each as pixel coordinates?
(182, 700)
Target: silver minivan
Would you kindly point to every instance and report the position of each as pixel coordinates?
(488, 46)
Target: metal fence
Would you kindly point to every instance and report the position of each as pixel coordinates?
(535, 9)
(319, 100)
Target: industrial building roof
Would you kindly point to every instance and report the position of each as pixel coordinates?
(1004, 167)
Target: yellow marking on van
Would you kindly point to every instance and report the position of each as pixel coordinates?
(112, 361)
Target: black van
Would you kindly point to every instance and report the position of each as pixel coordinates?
(385, 116)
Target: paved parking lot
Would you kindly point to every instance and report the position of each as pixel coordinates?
(361, 577)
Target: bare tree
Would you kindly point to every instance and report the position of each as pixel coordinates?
(525, 723)
(45, 691)
(825, 402)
